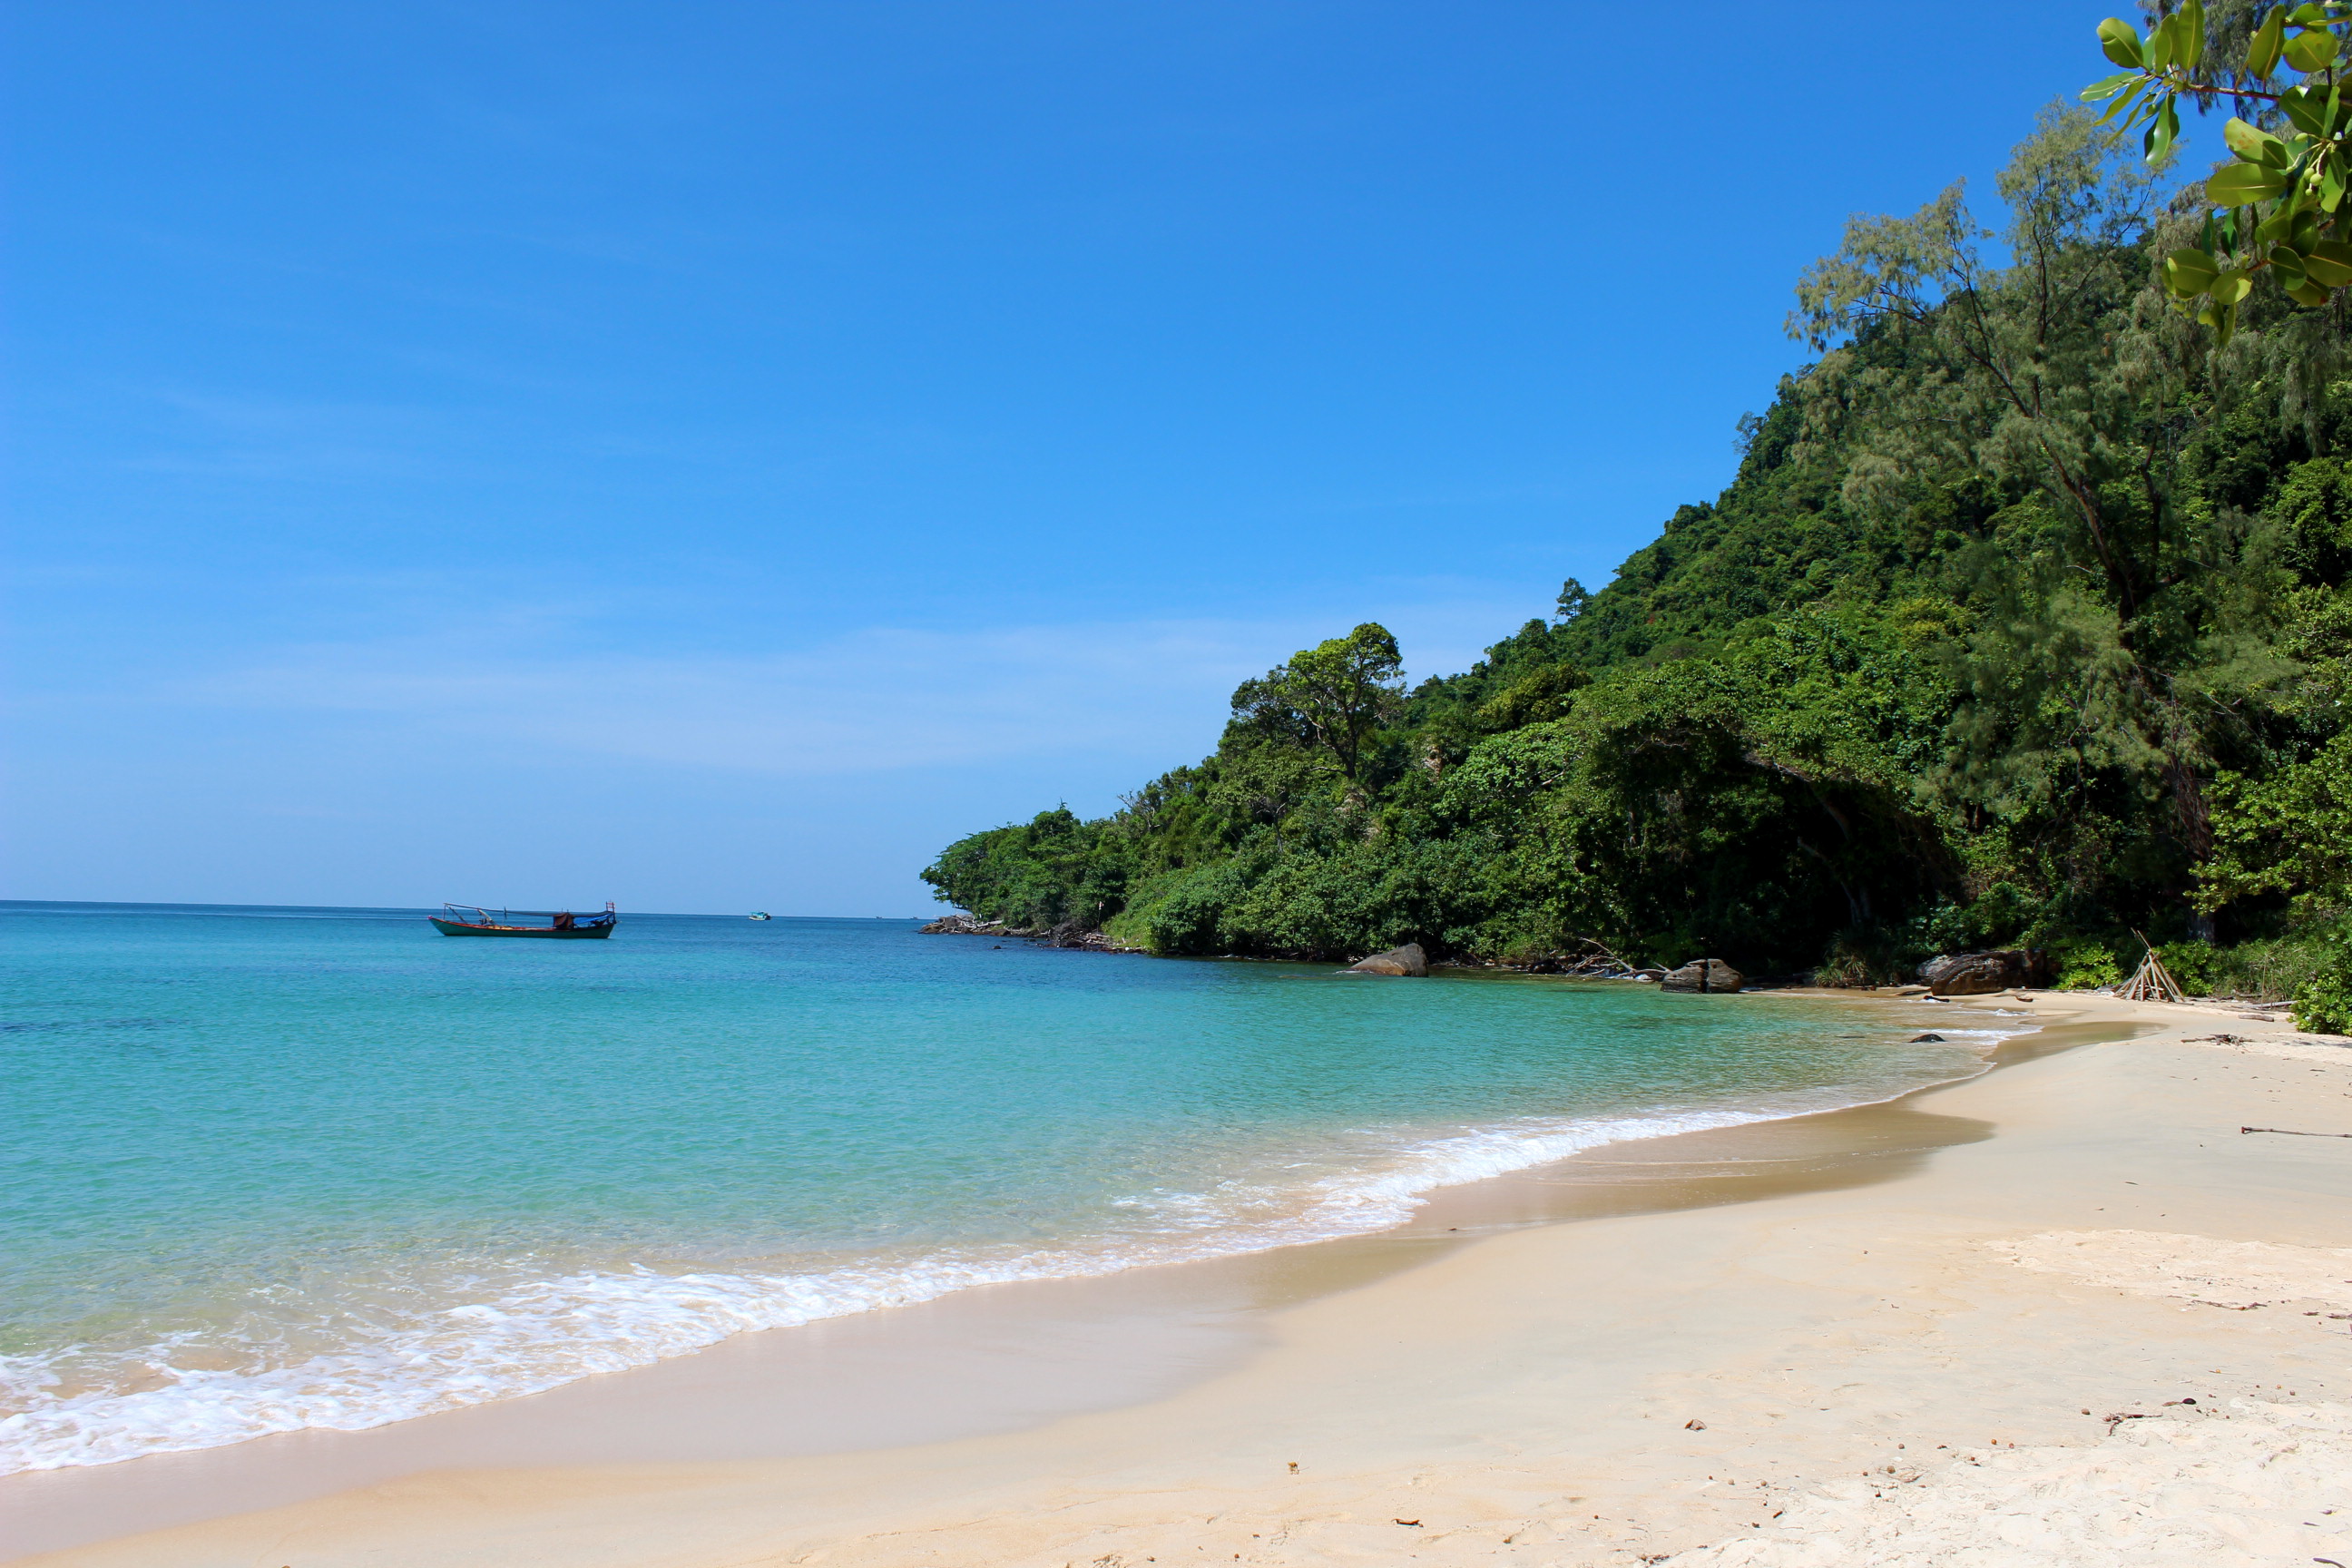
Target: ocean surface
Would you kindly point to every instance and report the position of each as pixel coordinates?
(265, 1169)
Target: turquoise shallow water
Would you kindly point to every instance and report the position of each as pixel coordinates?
(267, 1168)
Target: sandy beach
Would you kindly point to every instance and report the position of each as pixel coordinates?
(2065, 1312)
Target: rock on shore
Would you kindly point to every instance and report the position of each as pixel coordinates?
(1710, 974)
(967, 925)
(1406, 960)
(1069, 933)
(1981, 974)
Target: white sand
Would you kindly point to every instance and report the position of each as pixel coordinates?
(2254, 1483)
(1920, 1370)
(2240, 1275)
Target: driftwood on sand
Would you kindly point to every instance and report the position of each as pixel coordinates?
(2150, 982)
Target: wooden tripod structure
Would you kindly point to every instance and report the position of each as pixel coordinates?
(2150, 982)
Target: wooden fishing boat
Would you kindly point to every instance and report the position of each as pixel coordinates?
(560, 923)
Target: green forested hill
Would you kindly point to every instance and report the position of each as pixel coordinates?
(2024, 621)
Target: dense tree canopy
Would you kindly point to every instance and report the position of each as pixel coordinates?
(2024, 620)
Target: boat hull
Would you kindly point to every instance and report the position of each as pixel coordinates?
(577, 933)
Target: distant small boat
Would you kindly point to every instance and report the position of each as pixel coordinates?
(562, 923)
(762, 915)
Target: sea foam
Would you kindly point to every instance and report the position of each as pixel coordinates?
(538, 1334)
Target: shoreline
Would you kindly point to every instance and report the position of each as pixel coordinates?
(711, 1308)
(2009, 1353)
(1150, 1331)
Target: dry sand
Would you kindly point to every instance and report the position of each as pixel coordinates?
(2112, 1331)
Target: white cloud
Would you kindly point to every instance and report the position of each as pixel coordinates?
(882, 699)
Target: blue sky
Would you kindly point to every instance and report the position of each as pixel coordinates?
(709, 456)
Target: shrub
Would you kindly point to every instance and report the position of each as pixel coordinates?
(2266, 971)
(2323, 1002)
(2323, 1006)
(2195, 965)
(2086, 966)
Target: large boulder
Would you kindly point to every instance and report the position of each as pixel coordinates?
(1406, 960)
(1981, 974)
(1704, 975)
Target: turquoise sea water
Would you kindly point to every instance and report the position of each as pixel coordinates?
(274, 1168)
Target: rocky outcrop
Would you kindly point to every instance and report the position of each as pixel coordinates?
(967, 925)
(1069, 933)
(1077, 933)
(1406, 960)
(1710, 974)
(1979, 974)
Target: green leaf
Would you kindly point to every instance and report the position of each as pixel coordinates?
(2189, 273)
(2159, 46)
(2189, 50)
(2223, 319)
(2119, 41)
(2232, 286)
(2307, 108)
(2106, 87)
(2253, 145)
(2121, 106)
(2236, 184)
(2307, 293)
(2308, 15)
(2161, 131)
(2329, 261)
(2263, 54)
(2312, 51)
(2289, 268)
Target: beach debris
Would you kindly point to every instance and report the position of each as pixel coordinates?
(1694, 1425)
(2150, 982)
(2116, 1419)
(1598, 962)
(1294, 1466)
(1706, 975)
(1408, 960)
(2293, 1132)
(1927, 1039)
(1413, 1522)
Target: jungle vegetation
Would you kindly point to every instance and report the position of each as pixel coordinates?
(2025, 620)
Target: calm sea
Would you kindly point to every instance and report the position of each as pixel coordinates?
(275, 1168)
